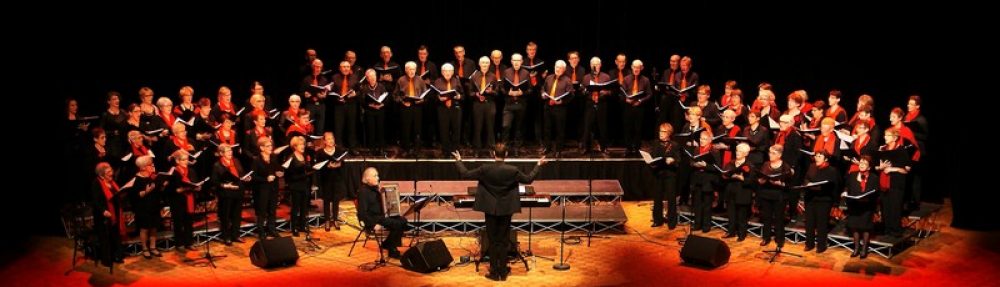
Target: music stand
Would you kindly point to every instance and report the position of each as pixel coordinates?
(415, 210)
(777, 251)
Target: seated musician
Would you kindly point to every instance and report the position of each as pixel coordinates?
(370, 211)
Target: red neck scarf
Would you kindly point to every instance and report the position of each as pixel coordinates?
(168, 118)
(864, 181)
(226, 136)
(229, 164)
(861, 142)
(226, 107)
(910, 116)
(140, 150)
(781, 137)
(728, 155)
(825, 142)
(189, 196)
(110, 188)
(182, 143)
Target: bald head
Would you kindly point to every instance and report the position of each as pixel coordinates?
(370, 176)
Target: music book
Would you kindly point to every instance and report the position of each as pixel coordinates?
(811, 184)
(380, 98)
(845, 136)
(128, 184)
(195, 155)
(810, 153)
(320, 165)
(418, 205)
(279, 149)
(681, 90)
(533, 67)
(240, 111)
(682, 105)
(246, 176)
(595, 86)
(318, 88)
(127, 157)
(813, 130)
(774, 175)
(512, 85)
(385, 69)
(771, 123)
(287, 163)
(197, 184)
(417, 98)
(720, 169)
(445, 93)
(525, 189)
(169, 172)
(342, 155)
(648, 158)
(315, 137)
(859, 196)
(189, 122)
(630, 96)
(695, 156)
(546, 95)
(153, 132)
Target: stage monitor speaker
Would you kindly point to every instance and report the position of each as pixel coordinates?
(275, 252)
(705, 251)
(426, 257)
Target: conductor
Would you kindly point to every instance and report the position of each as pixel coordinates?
(497, 197)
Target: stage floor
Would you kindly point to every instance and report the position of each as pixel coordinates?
(641, 256)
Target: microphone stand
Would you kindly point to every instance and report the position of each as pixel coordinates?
(590, 205)
(208, 250)
(562, 265)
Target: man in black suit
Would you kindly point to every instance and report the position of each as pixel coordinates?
(497, 197)
(370, 211)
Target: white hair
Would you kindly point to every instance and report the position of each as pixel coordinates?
(410, 64)
(447, 66)
(560, 63)
(636, 63)
(163, 101)
(595, 60)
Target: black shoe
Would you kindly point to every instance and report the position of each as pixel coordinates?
(671, 226)
(155, 252)
(741, 238)
(729, 235)
(227, 243)
(295, 233)
(821, 249)
(119, 260)
(656, 224)
(765, 242)
(809, 248)
(864, 251)
(273, 233)
(493, 276)
(238, 240)
(394, 253)
(336, 225)
(327, 227)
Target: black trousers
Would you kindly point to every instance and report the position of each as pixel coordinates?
(300, 209)
(739, 215)
(449, 127)
(817, 221)
(181, 220)
(230, 208)
(395, 225)
(513, 123)
(772, 215)
(345, 123)
(375, 128)
(554, 130)
(702, 207)
(595, 121)
(666, 189)
(411, 122)
(109, 239)
(317, 112)
(265, 206)
(498, 229)
(892, 210)
(632, 117)
(483, 118)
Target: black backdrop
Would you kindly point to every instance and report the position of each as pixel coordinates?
(839, 47)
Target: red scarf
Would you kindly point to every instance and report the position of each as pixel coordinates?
(728, 155)
(182, 143)
(228, 163)
(303, 129)
(231, 139)
(140, 150)
(183, 171)
(781, 137)
(261, 132)
(833, 111)
(293, 113)
(823, 165)
(907, 135)
(168, 118)
(825, 143)
(910, 116)
(883, 181)
(110, 188)
(226, 107)
(864, 181)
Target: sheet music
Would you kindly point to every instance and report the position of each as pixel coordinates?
(647, 157)
(860, 195)
(320, 165)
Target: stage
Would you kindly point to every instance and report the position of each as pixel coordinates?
(640, 256)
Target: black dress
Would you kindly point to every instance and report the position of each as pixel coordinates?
(860, 212)
(146, 208)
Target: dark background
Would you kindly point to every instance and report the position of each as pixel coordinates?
(854, 50)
